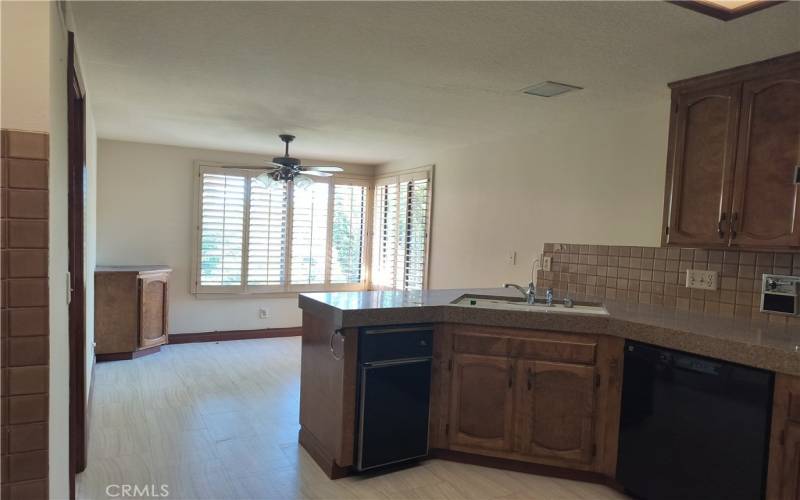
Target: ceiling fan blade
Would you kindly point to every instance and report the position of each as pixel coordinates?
(269, 167)
(316, 173)
(324, 168)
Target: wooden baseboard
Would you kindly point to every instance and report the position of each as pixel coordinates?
(328, 465)
(123, 356)
(217, 336)
(518, 466)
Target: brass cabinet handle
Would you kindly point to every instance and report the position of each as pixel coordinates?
(720, 231)
(734, 218)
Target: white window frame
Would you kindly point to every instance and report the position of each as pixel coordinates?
(286, 289)
(398, 177)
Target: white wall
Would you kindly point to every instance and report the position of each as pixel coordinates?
(24, 79)
(34, 98)
(145, 206)
(90, 235)
(597, 177)
(59, 313)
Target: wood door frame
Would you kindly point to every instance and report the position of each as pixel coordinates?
(76, 115)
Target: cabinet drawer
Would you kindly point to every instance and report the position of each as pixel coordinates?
(555, 350)
(488, 345)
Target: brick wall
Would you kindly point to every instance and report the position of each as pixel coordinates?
(653, 275)
(24, 329)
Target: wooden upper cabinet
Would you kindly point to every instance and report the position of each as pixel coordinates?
(557, 410)
(766, 209)
(481, 402)
(734, 151)
(703, 152)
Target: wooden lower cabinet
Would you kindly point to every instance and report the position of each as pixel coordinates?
(482, 402)
(533, 397)
(556, 410)
(790, 470)
(541, 397)
(783, 476)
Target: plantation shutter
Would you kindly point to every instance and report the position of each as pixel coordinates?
(266, 261)
(384, 252)
(221, 229)
(348, 232)
(414, 231)
(309, 234)
(400, 232)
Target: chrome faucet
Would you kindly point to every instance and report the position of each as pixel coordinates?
(530, 293)
(549, 297)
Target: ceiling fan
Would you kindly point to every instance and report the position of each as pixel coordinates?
(286, 168)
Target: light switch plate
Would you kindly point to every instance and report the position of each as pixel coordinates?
(701, 279)
(511, 258)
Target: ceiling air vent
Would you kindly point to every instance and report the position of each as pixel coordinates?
(549, 89)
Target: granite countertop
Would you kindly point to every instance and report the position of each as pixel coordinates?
(752, 342)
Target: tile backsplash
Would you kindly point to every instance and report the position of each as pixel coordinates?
(656, 275)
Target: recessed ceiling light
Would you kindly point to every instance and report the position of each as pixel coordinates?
(549, 89)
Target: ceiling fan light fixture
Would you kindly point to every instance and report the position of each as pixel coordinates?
(550, 89)
(302, 181)
(265, 179)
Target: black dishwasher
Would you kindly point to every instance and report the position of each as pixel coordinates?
(692, 427)
(394, 394)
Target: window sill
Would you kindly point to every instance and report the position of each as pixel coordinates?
(264, 295)
(245, 295)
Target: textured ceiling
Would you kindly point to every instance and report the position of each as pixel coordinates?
(377, 81)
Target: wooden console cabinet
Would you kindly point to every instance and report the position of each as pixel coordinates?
(131, 305)
(733, 165)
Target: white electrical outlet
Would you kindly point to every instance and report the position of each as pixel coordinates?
(702, 279)
(546, 262)
(263, 313)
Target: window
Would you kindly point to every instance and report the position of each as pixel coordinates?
(279, 239)
(400, 235)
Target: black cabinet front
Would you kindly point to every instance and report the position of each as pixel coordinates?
(394, 405)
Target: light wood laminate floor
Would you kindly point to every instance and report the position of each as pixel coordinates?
(220, 421)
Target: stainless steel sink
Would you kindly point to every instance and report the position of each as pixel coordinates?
(512, 304)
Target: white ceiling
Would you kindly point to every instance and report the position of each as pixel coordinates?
(376, 81)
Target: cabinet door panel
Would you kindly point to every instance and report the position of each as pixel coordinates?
(703, 149)
(481, 402)
(790, 487)
(152, 310)
(558, 407)
(766, 206)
